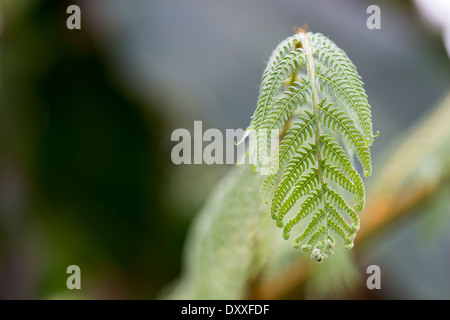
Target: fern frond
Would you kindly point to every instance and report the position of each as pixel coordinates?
(312, 163)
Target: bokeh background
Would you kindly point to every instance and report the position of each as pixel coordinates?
(86, 117)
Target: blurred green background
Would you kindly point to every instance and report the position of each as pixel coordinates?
(86, 117)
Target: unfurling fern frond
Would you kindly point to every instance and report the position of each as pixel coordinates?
(316, 188)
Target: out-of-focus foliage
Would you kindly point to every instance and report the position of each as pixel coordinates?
(82, 177)
(229, 241)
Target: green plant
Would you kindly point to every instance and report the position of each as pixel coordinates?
(232, 250)
(315, 176)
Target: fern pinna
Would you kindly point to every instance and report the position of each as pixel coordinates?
(312, 93)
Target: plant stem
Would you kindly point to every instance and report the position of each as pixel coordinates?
(315, 108)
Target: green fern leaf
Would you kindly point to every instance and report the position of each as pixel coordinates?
(315, 171)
